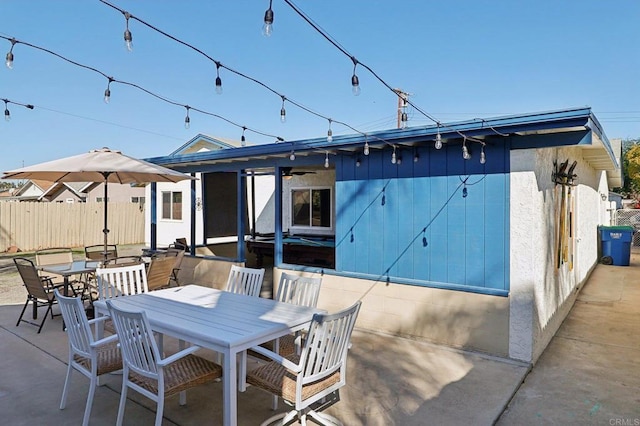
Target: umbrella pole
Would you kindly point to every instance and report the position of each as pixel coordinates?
(105, 230)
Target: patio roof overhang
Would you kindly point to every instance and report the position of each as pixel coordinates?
(578, 126)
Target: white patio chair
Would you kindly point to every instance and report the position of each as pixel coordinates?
(297, 290)
(246, 281)
(146, 372)
(121, 281)
(318, 372)
(87, 355)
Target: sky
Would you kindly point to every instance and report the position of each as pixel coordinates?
(457, 59)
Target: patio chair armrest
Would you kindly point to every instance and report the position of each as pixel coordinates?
(99, 319)
(172, 358)
(103, 341)
(277, 358)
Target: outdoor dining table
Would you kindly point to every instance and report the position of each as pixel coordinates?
(225, 322)
(67, 270)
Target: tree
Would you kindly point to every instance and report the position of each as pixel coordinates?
(630, 169)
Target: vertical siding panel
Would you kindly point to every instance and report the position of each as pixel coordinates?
(344, 196)
(421, 217)
(361, 227)
(407, 228)
(390, 216)
(376, 232)
(438, 241)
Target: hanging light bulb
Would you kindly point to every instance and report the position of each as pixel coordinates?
(7, 114)
(438, 139)
(187, 120)
(355, 82)
(9, 62)
(267, 28)
(283, 112)
(394, 159)
(416, 157)
(366, 147)
(107, 92)
(403, 120)
(483, 158)
(292, 156)
(128, 38)
(465, 151)
(326, 160)
(329, 133)
(243, 140)
(218, 79)
(358, 162)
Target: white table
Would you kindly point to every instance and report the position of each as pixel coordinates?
(224, 322)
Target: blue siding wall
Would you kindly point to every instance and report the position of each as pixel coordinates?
(411, 222)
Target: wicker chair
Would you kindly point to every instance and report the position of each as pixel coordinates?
(246, 281)
(146, 372)
(317, 373)
(297, 290)
(87, 355)
(39, 291)
(159, 272)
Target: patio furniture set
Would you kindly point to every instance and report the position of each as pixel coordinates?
(300, 350)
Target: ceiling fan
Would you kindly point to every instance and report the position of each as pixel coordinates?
(288, 173)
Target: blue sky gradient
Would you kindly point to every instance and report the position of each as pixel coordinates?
(458, 60)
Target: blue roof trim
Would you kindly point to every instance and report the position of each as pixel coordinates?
(573, 117)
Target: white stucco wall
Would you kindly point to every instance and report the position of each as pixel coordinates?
(541, 294)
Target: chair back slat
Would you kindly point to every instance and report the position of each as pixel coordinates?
(31, 279)
(325, 350)
(246, 281)
(297, 290)
(139, 349)
(76, 323)
(121, 281)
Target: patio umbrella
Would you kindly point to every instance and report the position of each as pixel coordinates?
(100, 165)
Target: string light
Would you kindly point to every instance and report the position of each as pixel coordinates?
(187, 120)
(9, 62)
(218, 79)
(465, 151)
(416, 157)
(107, 92)
(355, 83)
(7, 114)
(283, 112)
(403, 120)
(326, 160)
(267, 28)
(357, 161)
(128, 38)
(483, 158)
(366, 146)
(394, 159)
(292, 156)
(329, 133)
(243, 140)
(438, 139)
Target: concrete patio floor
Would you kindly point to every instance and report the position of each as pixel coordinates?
(587, 375)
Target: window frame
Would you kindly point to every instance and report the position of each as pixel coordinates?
(311, 229)
(172, 207)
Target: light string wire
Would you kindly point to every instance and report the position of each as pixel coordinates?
(9, 101)
(219, 64)
(338, 46)
(137, 86)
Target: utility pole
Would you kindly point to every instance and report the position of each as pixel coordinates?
(402, 108)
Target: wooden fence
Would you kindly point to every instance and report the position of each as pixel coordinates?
(32, 226)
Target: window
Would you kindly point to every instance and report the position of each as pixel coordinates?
(138, 200)
(101, 199)
(311, 207)
(172, 205)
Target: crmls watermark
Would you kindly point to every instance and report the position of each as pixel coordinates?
(624, 422)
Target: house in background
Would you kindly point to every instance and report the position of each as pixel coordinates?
(475, 234)
(76, 192)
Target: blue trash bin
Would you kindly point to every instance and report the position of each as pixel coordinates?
(616, 244)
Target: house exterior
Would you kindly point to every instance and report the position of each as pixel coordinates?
(76, 192)
(481, 244)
